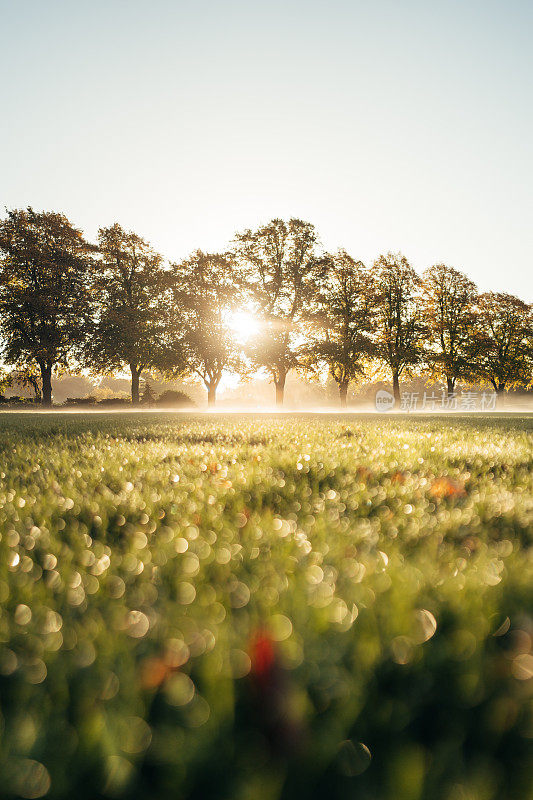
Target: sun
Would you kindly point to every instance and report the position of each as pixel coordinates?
(243, 324)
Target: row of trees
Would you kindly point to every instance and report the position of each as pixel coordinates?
(68, 304)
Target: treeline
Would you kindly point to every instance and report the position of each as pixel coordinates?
(66, 303)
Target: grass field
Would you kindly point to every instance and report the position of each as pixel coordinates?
(254, 608)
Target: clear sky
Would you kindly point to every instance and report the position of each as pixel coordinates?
(394, 125)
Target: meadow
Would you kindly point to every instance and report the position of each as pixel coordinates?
(266, 607)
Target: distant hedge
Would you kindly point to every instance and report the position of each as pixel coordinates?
(170, 397)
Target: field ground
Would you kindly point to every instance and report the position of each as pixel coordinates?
(266, 608)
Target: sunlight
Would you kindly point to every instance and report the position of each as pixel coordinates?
(243, 324)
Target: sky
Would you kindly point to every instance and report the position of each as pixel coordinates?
(389, 125)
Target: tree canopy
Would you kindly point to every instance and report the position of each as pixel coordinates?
(502, 348)
(45, 292)
(135, 325)
(118, 304)
(448, 305)
(399, 327)
(281, 269)
(345, 310)
(205, 289)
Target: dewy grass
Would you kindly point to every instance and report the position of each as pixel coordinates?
(270, 607)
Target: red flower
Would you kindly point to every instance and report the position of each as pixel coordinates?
(262, 654)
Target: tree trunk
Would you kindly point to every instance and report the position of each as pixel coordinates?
(280, 388)
(343, 392)
(396, 386)
(211, 394)
(135, 376)
(450, 383)
(46, 375)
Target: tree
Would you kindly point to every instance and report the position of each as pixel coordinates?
(502, 348)
(281, 270)
(45, 306)
(205, 289)
(148, 396)
(449, 297)
(345, 307)
(399, 327)
(134, 326)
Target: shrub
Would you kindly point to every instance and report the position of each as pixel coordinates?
(170, 397)
(16, 400)
(80, 401)
(114, 402)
